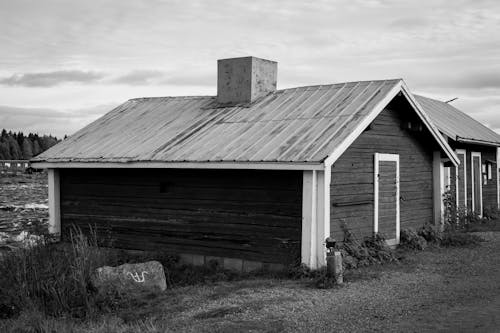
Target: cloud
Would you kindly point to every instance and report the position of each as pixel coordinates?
(190, 79)
(139, 77)
(50, 79)
(48, 120)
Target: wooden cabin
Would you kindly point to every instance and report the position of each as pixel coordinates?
(253, 175)
(475, 182)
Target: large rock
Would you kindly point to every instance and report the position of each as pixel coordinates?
(142, 276)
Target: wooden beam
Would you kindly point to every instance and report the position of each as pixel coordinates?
(497, 171)
(474, 208)
(315, 217)
(180, 165)
(309, 212)
(438, 188)
(54, 202)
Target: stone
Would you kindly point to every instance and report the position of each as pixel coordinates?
(250, 266)
(186, 258)
(132, 277)
(233, 264)
(198, 260)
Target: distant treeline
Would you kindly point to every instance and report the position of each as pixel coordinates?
(18, 146)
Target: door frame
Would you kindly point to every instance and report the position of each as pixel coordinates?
(390, 158)
(472, 155)
(463, 152)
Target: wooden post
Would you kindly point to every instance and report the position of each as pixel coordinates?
(322, 215)
(315, 217)
(309, 211)
(438, 189)
(497, 171)
(54, 202)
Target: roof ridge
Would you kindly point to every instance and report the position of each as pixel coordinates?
(329, 85)
(339, 84)
(171, 97)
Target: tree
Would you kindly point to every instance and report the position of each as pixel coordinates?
(36, 148)
(4, 151)
(27, 149)
(15, 146)
(15, 151)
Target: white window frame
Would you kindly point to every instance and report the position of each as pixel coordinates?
(472, 155)
(463, 152)
(389, 158)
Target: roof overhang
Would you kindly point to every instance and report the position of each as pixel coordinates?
(177, 165)
(477, 142)
(398, 88)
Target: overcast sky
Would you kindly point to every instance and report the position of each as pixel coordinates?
(65, 63)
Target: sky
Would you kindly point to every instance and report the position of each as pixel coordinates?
(65, 63)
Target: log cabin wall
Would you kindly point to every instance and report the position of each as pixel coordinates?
(352, 187)
(246, 214)
(490, 188)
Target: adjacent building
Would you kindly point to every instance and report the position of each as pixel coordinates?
(474, 182)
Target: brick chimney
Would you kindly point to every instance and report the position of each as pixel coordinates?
(243, 80)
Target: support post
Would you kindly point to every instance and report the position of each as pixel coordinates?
(498, 177)
(315, 217)
(438, 188)
(54, 202)
(308, 246)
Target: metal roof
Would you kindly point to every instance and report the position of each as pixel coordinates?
(456, 124)
(292, 125)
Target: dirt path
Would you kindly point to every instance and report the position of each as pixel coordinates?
(444, 290)
(438, 290)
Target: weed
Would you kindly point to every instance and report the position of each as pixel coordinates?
(430, 233)
(371, 250)
(411, 240)
(54, 278)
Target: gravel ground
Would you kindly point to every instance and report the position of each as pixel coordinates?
(448, 290)
(437, 290)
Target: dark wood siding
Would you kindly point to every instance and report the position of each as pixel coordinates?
(248, 214)
(353, 173)
(490, 189)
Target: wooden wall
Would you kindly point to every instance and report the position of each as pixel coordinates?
(352, 185)
(247, 214)
(490, 189)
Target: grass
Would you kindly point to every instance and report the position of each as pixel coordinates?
(411, 294)
(53, 278)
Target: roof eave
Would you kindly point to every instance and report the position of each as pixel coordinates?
(178, 165)
(399, 87)
(430, 125)
(477, 142)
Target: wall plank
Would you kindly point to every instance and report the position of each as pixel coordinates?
(249, 214)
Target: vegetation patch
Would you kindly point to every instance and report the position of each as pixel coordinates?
(219, 312)
(369, 251)
(460, 239)
(411, 240)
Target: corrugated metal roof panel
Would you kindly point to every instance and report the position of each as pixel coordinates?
(292, 125)
(454, 123)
